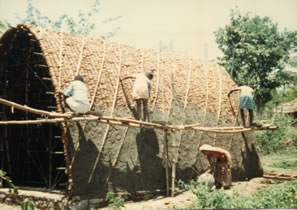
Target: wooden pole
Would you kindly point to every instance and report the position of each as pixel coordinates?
(166, 160)
(58, 118)
(32, 110)
(175, 151)
(111, 113)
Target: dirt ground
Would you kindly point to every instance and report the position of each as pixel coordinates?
(186, 198)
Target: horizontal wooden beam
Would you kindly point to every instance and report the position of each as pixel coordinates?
(71, 117)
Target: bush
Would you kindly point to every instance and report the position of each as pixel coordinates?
(271, 141)
(115, 202)
(27, 204)
(9, 181)
(277, 196)
(285, 164)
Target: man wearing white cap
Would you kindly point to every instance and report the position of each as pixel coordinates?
(220, 165)
(77, 95)
(141, 92)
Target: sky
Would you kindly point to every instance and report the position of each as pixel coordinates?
(189, 25)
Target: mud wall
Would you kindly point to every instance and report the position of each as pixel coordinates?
(132, 159)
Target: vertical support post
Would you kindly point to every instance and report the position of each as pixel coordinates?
(173, 170)
(5, 140)
(1, 136)
(166, 160)
(50, 153)
(175, 150)
(50, 150)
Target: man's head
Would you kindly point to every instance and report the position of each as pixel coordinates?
(79, 78)
(252, 85)
(149, 75)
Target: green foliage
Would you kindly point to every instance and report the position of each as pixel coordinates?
(293, 61)
(285, 164)
(280, 96)
(255, 52)
(114, 201)
(3, 27)
(9, 181)
(277, 196)
(27, 204)
(270, 141)
(82, 24)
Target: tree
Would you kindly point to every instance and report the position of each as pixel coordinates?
(255, 52)
(81, 24)
(2, 27)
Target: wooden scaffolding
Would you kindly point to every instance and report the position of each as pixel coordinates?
(54, 117)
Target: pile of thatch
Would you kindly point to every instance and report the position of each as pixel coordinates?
(287, 108)
(103, 62)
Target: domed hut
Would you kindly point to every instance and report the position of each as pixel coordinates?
(36, 63)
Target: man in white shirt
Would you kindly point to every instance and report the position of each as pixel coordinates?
(141, 92)
(246, 102)
(77, 95)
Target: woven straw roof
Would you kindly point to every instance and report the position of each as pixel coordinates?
(288, 108)
(102, 62)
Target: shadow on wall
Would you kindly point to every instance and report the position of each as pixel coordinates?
(142, 169)
(151, 166)
(84, 156)
(251, 160)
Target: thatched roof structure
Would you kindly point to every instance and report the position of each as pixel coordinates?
(185, 91)
(288, 108)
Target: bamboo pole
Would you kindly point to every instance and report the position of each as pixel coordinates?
(188, 85)
(158, 81)
(219, 101)
(99, 76)
(80, 56)
(59, 118)
(117, 155)
(32, 110)
(205, 72)
(174, 159)
(166, 161)
(60, 59)
(139, 124)
(111, 113)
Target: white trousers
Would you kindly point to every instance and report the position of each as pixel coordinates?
(77, 106)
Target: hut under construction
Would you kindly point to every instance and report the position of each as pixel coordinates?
(90, 158)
